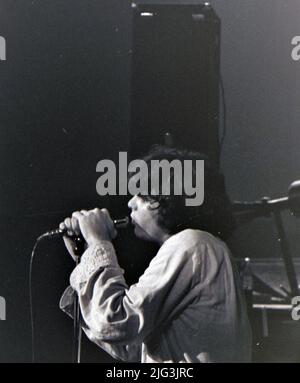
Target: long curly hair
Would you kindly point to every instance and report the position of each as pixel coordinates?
(214, 215)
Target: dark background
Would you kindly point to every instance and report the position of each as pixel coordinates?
(65, 97)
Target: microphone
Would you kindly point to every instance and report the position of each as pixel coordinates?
(120, 223)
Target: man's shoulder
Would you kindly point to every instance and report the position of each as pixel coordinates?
(197, 241)
(193, 237)
(194, 246)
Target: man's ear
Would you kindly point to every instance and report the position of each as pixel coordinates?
(153, 205)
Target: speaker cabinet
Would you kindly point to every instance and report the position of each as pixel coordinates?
(175, 77)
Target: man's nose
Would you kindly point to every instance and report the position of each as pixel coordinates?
(132, 203)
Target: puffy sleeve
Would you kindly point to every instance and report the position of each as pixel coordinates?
(118, 316)
(126, 353)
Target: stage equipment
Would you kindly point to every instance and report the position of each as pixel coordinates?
(175, 77)
(266, 207)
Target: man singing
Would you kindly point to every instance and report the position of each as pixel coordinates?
(188, 305)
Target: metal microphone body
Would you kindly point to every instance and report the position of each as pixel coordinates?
(120, 223)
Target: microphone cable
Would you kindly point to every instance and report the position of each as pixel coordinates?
(30, 296)
(118, 223)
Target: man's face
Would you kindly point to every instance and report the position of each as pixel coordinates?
(144, 216)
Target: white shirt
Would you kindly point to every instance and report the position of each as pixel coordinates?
(188, 306)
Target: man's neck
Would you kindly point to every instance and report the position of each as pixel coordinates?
(163, 238)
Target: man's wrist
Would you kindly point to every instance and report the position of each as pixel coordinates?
(97, 241)
(99, 255)
(100, 251)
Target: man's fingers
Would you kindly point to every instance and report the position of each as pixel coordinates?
(78, 216)
(106, 212)
(75, 225)
(67, 223)
(62, 226)
(71, 225)
(92, 224)
(68, 226)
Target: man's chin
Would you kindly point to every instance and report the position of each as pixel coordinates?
(140, 233)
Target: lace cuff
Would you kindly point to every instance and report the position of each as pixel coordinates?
(97, 256)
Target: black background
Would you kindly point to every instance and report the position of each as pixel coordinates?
(65, 100)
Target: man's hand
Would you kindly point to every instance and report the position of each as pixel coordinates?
(94, 225)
